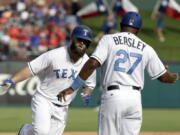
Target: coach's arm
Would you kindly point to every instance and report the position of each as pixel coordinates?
(85, 72)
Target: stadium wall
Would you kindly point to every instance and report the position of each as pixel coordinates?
(155, 94)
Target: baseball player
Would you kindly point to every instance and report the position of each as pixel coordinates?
(123, 57)
(56, 69)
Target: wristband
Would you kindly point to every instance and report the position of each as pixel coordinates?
(9, 81)
(77, 83)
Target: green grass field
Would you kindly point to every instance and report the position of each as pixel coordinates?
(168, 50)
(85, 119)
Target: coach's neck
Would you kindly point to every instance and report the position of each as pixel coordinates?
(129, 29)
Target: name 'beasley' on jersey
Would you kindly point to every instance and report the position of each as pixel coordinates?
(129, 40)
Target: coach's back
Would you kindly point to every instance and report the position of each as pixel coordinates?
(124, 58)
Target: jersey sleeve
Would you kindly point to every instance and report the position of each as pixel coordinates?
(40, 63)
(101, 51)
(155, 67)
(91, 81)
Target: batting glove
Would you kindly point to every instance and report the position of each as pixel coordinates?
(4, 86)
(86, 95)
(86, 98)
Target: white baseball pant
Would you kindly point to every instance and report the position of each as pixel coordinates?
(47, 119)
(120, 112)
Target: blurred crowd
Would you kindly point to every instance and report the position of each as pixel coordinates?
(27, 30)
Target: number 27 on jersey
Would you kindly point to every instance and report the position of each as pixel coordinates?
(125, 57)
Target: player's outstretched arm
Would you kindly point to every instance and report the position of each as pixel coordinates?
(22, 75)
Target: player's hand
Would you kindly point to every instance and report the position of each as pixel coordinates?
(5, 86)
(86, 95)
(175, 76)
(61, 96)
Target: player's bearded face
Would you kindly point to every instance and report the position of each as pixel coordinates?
(78, 46)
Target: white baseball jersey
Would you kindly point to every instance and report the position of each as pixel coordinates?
(57, 72)
(124, 57)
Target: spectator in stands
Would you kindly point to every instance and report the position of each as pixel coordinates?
(35, 39)
(53, 41)
(61, 35)
(49, 26)
(76, 5)
(43, 40)
(15, 19)
(4, 48)
(14, 33)
(22, 52)
(71, 19)
(24, 36)
(43, 47)
(2, 55)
